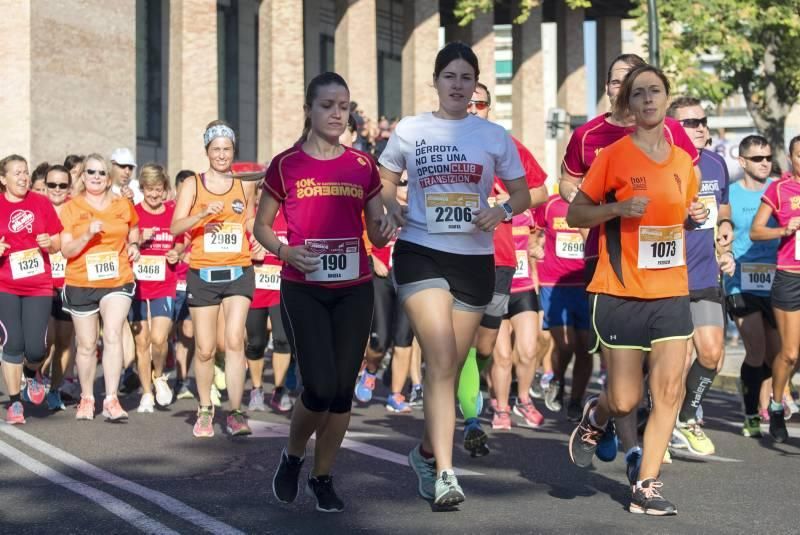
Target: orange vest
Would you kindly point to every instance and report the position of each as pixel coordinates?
(228, 246)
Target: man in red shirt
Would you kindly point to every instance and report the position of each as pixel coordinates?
(469, 396)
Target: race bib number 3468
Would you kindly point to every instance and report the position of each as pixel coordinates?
(450, 212)
(661, 247)
(339, 260)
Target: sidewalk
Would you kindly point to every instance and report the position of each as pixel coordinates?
(727, 378)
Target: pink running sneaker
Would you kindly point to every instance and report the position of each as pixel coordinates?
(113, 411)
(237, 424)
(527, 411)
(501, 419)
(34, 390)
(204, 426)
(15, 414)
(85, 409)
(764, 413)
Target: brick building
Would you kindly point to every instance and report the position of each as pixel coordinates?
(85, 75)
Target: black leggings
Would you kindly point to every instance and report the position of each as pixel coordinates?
(380, 339)
(256, 327)
(328, 330)
(23, 327)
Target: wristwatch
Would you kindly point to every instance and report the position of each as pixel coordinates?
(508, 210)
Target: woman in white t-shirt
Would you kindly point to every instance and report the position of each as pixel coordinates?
(443, 259)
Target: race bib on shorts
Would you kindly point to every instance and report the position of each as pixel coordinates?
(181, 286)
(58, 265)
(450, 212)
(523, 268)
(339, 260)
(150, 268)
(710, 202)
(757, 277)
(661, 247)
(27, 263)
(268, 277)
(227, 238)
(569, 245)
(102, 266)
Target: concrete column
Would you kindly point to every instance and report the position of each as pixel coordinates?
(281, 84)
(421, 44)
(527, 88)
(609, 46)
(571, 67)
(15, 84)
(311, 38)
(356, 52)
(479, 34)
(62, 69)
(193, 75)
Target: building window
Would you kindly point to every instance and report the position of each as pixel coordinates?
(150, 71)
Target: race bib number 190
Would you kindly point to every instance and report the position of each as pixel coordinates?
(450, 212)
(661, 247)
(339, 260)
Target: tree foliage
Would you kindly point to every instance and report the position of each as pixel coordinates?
(466, 10)
(752, 44)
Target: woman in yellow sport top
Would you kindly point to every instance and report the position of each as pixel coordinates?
(216, 209)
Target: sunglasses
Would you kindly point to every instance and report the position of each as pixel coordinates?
(92, 172)
(694, 123)
(479, 104)
(758, 159)
(59, 185)
(128, 167)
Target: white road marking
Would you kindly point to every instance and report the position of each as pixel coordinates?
(686, 454)
(794, 431)
(108, 502)
(273, 430)
(168, 503)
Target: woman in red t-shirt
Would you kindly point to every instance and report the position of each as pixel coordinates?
(59, 330)
(153, 305)
(29, 232)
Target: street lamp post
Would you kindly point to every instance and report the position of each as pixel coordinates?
(652, 37)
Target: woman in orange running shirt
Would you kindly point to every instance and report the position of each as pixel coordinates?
(215, 209)
(100, 241)
(643, 193)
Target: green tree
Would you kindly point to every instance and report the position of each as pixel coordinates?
(754, 45)
(466, 10)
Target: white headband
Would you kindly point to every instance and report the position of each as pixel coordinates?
(218, 130)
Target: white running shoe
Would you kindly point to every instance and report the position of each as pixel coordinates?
(163, 391)
(146, 404)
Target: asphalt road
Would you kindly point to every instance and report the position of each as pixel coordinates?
(62, 476)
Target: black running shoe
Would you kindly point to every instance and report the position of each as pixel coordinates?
(648, 500)
(584, 439)
(475, 438)
(632, 465)
(777, 426)
(130, 382)
(321, 489)
(574, 410)
(284, 484)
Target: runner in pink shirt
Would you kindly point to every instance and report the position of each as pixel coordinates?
(781, 201)
(29, 232)
(522, 319)
(565, 303)
(266, 307)
(322, 188)
(153, 304)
